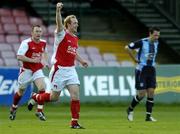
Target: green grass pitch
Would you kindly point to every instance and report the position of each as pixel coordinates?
(97, 119)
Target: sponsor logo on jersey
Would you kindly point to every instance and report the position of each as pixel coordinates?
(71, 50)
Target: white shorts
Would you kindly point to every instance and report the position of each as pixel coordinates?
(63, 76)
(26, 76)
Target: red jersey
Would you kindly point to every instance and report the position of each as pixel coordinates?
(65, 49)
(31, 49)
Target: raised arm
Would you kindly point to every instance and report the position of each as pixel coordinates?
(59, 25)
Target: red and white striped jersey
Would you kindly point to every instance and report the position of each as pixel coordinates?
(31, 49)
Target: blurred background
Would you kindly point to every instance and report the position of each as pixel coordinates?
(107, 86)
(105, 27)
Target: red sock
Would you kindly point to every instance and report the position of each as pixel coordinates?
(41, 93)
(75, 109)
(34, 96)
(16, 100)
(41, 103)
(41, 98)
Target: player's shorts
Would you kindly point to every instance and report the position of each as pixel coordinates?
(26, 76)
(146, 78)
(60, 77)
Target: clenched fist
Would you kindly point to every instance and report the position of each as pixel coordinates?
(59, 5)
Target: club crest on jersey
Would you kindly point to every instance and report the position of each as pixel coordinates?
(55, 86)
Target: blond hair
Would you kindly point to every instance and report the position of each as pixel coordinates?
(67, 20)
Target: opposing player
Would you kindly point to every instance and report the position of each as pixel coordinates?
(33, 55)
(63, 73)
(145, 73)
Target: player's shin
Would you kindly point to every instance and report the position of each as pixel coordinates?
(134, 102)
(13, 109)
(41, 98)
(149, 106)
(40, 104)
(75, 109)
(17, 98)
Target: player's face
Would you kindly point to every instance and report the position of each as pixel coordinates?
(74, 25)
(36, 33)
(155, 35)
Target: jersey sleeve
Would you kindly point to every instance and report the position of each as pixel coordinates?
(23, 48)
(59, 37)
(46, 44)
(46, 48)
(135, 45)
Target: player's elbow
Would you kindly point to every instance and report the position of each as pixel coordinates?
(19, 57)
(58, 29)
(126, 47)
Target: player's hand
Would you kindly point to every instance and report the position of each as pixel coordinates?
(48, 67)
(84, 64)
(36, 60)
(136, 61)
(59, 5)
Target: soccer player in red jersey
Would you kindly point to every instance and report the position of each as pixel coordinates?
(33, 55)
(63, 73)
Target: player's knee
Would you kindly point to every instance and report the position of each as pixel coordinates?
(141, 94)
(54, 97)
(40, 87)
(22, 86)
(21, 91)
(75, 96)
(150, 93)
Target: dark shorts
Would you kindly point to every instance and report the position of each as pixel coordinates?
(146, 78)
